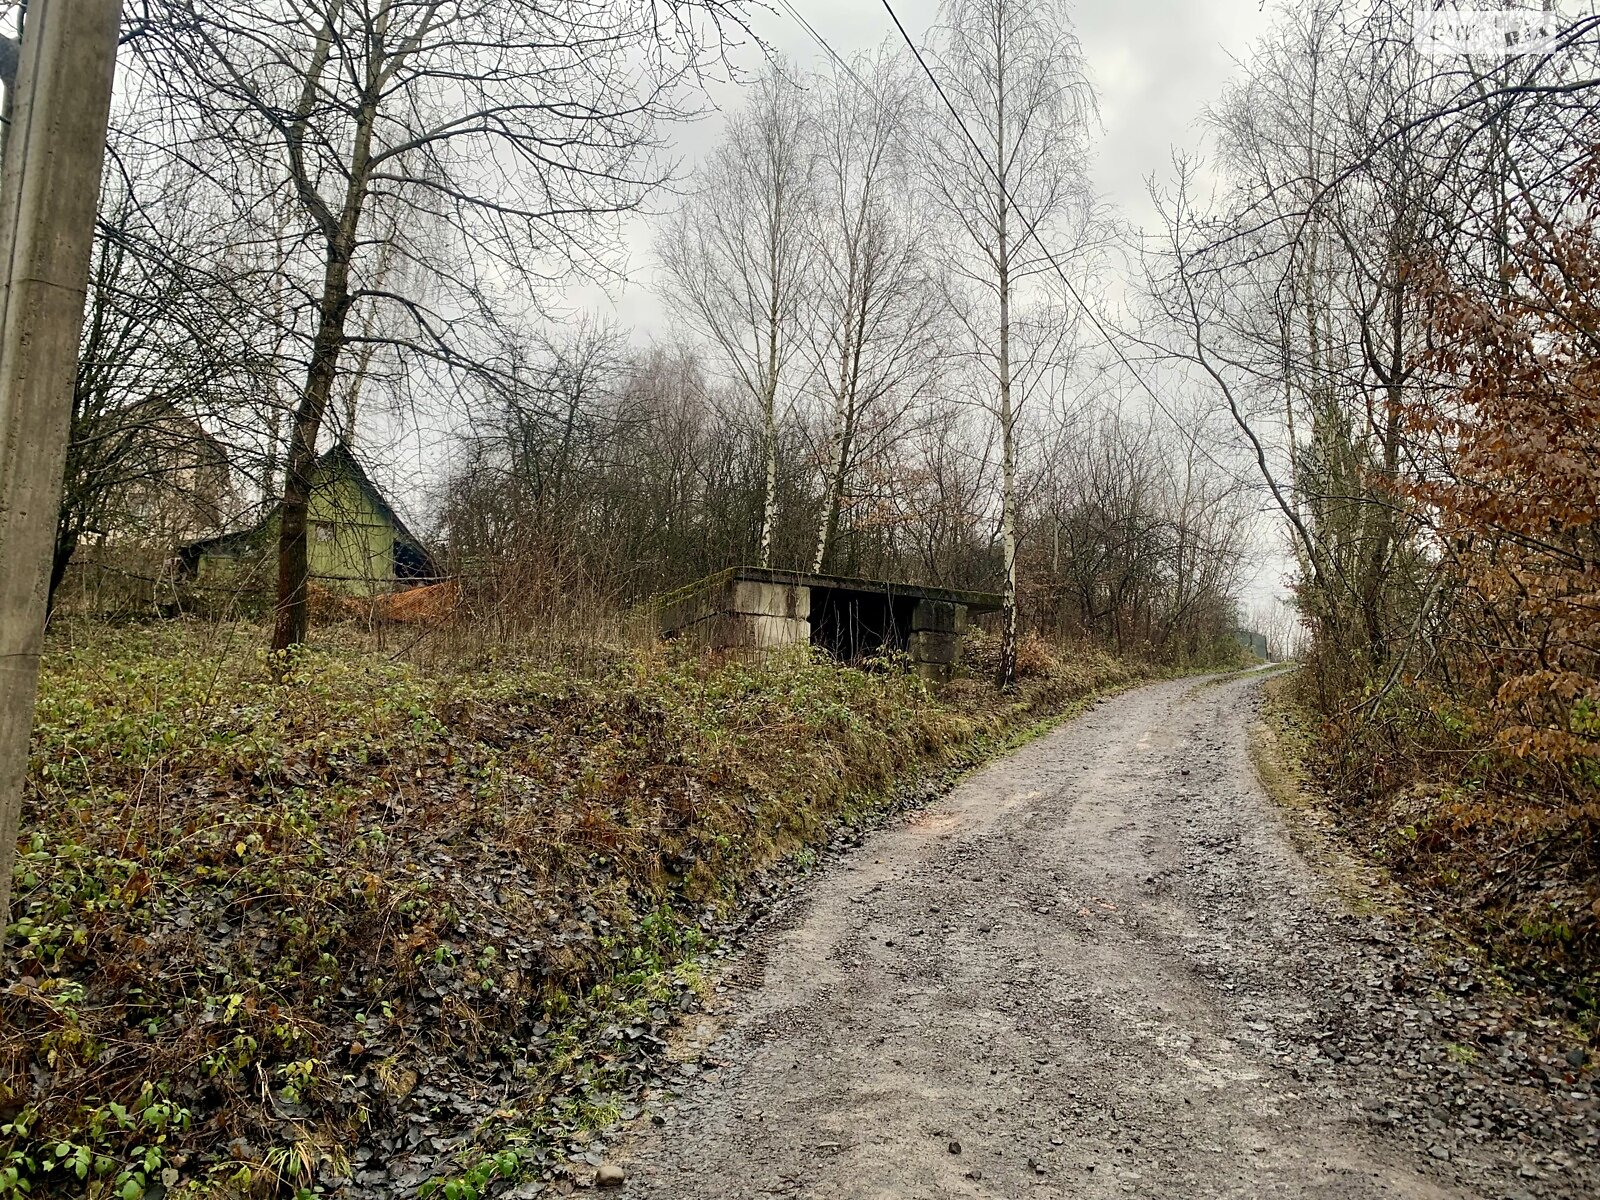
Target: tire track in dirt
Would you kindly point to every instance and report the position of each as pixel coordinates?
(1097, 967)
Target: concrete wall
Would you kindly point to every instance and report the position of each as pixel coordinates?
(730, 613)
(741, 614)
(935, 646)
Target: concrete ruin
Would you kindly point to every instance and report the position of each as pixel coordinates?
(756, 608)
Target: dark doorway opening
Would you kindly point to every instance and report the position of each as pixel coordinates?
(411, 563)
(851, 624)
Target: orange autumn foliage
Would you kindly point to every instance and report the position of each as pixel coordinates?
(1516, 493)
(431, 604)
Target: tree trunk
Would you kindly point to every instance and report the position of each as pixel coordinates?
(833, 498)
(845, 410)
(333, 312)
(66, 546)
(835, 506)
(1008, 507)
(769, 496)
(831, 484)
(293, 608)
(769, 501)
(1008, 446)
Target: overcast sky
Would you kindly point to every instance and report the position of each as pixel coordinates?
(1154, 64)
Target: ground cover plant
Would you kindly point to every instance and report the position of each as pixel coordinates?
(1471, 834)
(278, 939)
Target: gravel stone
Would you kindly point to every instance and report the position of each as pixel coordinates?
(1160, 979)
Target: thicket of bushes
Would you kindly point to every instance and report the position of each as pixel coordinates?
(269, 937)
(1465, 738)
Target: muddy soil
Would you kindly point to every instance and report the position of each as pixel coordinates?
(1100, 967)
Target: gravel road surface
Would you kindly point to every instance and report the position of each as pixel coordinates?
(1100, 967)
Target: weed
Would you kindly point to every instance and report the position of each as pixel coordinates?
(251, 917)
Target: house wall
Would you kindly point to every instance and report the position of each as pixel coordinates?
(349, 546)
(241, 563)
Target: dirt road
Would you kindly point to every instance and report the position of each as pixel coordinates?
(1100, 968)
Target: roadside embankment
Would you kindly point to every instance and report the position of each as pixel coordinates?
(332, 933)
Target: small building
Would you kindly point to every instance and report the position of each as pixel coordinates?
(145, 479)
(356, 543)
(174, 484)
(757, 608)
(1253, 642)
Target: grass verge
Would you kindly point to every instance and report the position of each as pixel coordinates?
(401, 931)
(1282, 744)
(1419, 857)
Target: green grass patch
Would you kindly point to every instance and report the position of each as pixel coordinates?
(262, 929)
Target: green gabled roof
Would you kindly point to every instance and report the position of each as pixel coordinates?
(337, 457)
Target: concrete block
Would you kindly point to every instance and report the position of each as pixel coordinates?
(938, 616)
(769, 599)
(750, 631)
(733, 596)
(683, 613)
(935, 672)
(927, 646)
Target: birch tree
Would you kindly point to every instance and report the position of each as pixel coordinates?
(1353, 162)
(1007, 165)
(735, 258)
(873, 328)
(501, 140)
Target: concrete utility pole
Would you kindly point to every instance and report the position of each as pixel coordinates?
(49, 188)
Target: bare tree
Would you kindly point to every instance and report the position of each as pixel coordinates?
(1353, 162)
(168, 367)
(499, 137)
(735, 257)
(1134, 536)
(872, 334)
(1007, 166)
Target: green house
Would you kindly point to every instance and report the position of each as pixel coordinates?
(356, 542)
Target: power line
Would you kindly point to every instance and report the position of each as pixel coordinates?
(1031, 227)
(819, 39)
(1033, 232)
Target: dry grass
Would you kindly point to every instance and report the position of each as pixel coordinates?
(1510, 866)
(251, 916)
(1281, 744)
